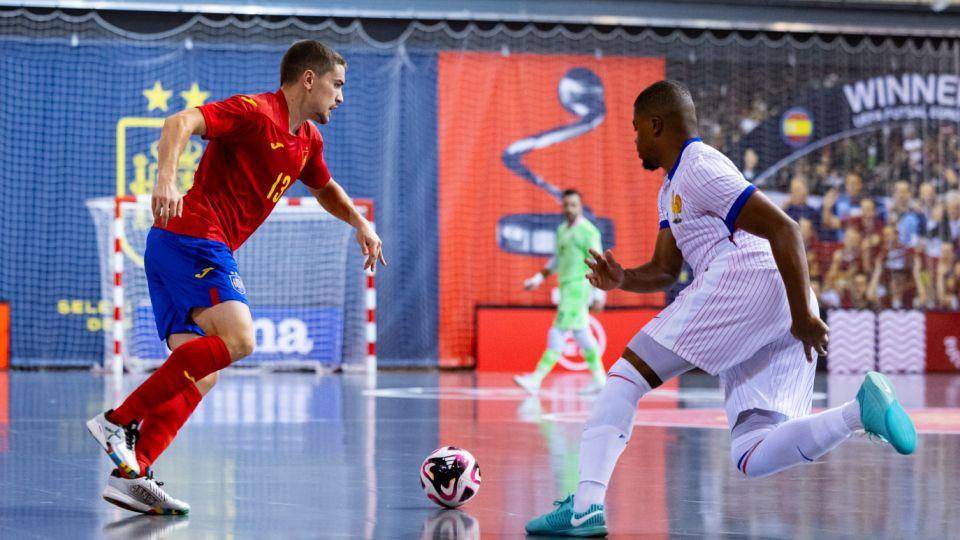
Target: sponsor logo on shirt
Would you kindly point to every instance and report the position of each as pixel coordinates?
(276, 145)
(249, 100)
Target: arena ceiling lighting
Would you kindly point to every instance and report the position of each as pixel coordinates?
(877, 17)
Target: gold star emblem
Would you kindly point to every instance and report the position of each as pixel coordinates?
(194, 97)
(157, 97)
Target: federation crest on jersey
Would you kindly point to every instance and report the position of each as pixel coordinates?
(676, 207)
(237, 283)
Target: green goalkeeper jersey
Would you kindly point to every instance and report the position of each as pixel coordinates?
(573, 245)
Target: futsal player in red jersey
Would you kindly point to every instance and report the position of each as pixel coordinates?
(258, 146)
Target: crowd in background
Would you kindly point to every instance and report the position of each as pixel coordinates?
(880, 217)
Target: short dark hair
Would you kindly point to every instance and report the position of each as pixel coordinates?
(571, 191)
(308, 54)
(660, 95)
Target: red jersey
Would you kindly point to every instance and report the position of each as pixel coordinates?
(250, 161)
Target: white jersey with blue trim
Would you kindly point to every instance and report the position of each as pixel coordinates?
(700, 200)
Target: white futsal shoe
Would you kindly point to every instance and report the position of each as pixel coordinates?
(142, 495)
(528, 382)
(117, 441)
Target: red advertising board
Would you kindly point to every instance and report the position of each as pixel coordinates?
(513, 338)
(943, 341)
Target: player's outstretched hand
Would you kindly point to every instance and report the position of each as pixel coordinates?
(372, 247)
(166, 203)
(605, 272)
(812, 332)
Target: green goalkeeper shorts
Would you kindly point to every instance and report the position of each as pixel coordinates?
(572, 313)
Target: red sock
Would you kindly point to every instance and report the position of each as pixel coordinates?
(188, 364)
(162, 424)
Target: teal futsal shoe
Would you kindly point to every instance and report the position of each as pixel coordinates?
(883, 416)
(563, 521)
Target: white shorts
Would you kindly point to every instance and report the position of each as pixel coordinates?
(734, 321)
(724, 317)
(776, 378)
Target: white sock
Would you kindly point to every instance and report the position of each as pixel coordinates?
(607, 431)
(590, 493)
(801, 440)
(851, 415)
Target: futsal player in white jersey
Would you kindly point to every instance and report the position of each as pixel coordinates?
(748, 317)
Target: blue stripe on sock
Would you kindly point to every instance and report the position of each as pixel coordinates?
(740, 461)
(804, 455)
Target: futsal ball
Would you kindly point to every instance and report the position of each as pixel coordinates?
(450, 476)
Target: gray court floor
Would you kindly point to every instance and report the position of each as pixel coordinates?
(305, 456)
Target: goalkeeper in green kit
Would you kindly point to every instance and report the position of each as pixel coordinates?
(575, 237)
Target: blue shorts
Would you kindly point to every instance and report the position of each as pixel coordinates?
(183, 273)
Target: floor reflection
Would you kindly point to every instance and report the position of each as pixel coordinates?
(305, 456)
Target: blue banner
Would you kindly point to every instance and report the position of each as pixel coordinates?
(284, 334)
(82, 120)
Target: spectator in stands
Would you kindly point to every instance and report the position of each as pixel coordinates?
(943, 227)
(847, 260)
(797, 205)
(911, 223)
(950, 179)
(952, 216)
(894, 255)
(925, 281)
(857, 296)
(892, 283)
(932, 210)
(927, 202)
(867, 220)
(946, 285)
(840, 206)
(952, 286)
(870, 227)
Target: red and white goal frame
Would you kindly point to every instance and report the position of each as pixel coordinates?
(115, 362)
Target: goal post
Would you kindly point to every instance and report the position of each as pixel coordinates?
(313, 305)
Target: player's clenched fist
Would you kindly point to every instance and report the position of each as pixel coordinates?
(605, 272)
(166, 202)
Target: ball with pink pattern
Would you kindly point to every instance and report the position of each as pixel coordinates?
(450, 476)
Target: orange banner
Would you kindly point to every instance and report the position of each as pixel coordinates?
(513, 130)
